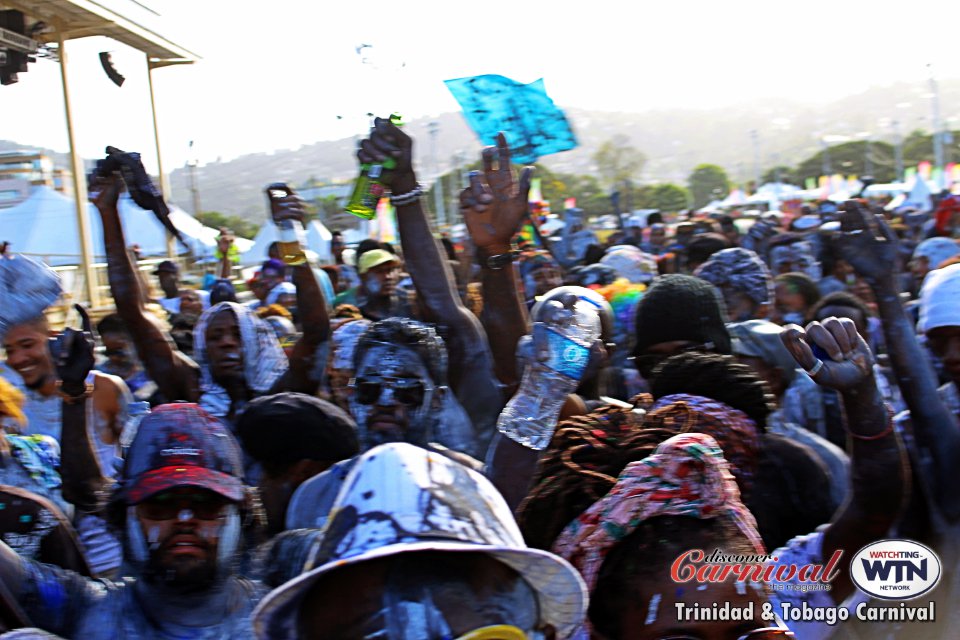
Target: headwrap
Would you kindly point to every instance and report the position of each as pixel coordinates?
(741, 270)
(283, 288)
(631, 263)
(27, 288)
(263, 359)
(936, 251)
(801, 255)
(947, 208)
(686, 476)
(940, 299)
(681, 307)
(736, 433)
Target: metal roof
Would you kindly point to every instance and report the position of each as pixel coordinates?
(127, 21)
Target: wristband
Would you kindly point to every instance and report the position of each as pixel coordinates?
(74, 399)
(403, 199)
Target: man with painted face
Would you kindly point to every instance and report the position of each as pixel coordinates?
(399, 394)
(236, 357)
(178, 503)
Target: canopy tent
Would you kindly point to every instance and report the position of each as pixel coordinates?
(45, 225)
(318, 241)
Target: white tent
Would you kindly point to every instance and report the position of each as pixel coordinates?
(45, 225)
(318, 241)
(919, 195)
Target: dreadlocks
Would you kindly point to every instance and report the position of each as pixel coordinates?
(716, 376)
(588, 452)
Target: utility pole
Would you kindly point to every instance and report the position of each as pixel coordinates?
(192, 163)
(937, 135)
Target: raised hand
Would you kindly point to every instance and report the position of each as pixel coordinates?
(104, 191)
(73, 354)
(850, 361)
(388, 142)
(288, 207)
(867, 243)
(494, 205)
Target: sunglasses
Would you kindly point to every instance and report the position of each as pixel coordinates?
(167, 506)
(406, 391)
(767, 633)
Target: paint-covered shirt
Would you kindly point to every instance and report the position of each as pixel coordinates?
(72, 606)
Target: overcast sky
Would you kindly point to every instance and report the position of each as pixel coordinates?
(277, 76)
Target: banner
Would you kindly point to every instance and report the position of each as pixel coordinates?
(533, 125)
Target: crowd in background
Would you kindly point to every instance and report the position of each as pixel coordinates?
(513, 436)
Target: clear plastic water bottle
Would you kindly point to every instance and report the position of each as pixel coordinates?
(135, 413)
(562, 339)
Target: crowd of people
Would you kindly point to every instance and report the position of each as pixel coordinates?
(510, 438)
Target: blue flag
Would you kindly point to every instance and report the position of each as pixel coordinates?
(533, 125)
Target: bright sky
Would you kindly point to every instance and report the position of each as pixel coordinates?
(278, 76)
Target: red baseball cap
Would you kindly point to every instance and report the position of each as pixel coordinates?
(181, 445)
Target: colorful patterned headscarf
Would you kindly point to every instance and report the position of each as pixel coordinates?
(686, 476)
(735, 432)
(740, 270)
(623, 297)
(801, 256)
(263, 359)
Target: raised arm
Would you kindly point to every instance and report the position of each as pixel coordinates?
(879, 472)
(314, 317)
(871, 248)
(471, 365)
(176, 376)
(80, 469)
(493, 207)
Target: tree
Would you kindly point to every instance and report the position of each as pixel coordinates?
(618, 161)
(240, 227)
(918, 146)
(781, 173)
(851, 159)
(708, 182)
(667, 197)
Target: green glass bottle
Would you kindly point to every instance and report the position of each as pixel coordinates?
(367, 189)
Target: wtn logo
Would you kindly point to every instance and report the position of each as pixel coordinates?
(903, 570)
(895, 569)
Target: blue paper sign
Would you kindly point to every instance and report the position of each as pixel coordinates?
(532, 124)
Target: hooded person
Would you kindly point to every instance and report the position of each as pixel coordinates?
(539, 273)
(252, 357)
(178, 502)
(678, 313)
(790, 253)
(743, 279)
(419, 546)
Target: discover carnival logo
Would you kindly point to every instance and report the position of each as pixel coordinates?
(895, 569)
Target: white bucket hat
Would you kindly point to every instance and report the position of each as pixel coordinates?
(400, 498)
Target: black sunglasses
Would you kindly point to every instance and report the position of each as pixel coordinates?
(406, 391)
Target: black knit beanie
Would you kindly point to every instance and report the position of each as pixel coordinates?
(681, 307)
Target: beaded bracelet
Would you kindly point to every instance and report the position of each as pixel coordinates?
(403, 199)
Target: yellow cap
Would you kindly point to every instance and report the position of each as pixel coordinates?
(375, 258)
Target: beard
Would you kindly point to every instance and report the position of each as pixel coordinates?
(181, 574)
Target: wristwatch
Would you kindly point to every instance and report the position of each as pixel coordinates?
(499, 261)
